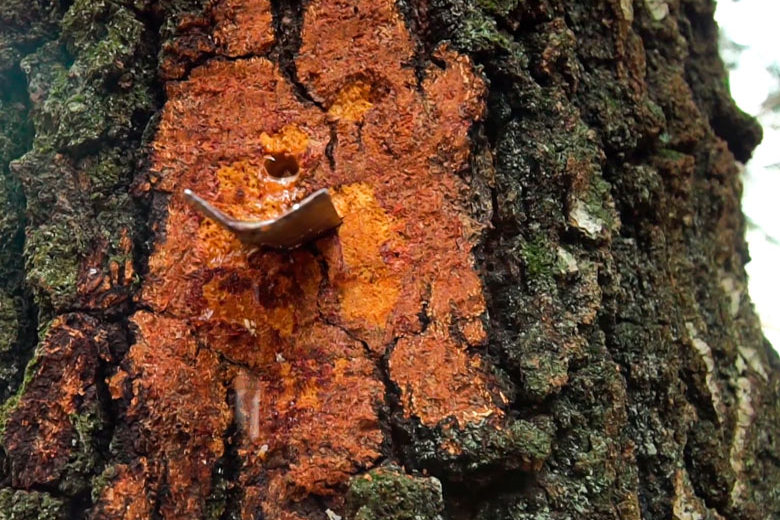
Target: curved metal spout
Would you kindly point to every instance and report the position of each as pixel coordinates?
(307, 220)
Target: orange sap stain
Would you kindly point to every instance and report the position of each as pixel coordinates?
(428, 393)
(352, 101)
(243, 26)
(368, 288)
(290, 139)
(299, 334)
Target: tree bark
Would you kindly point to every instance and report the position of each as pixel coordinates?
(535, 305)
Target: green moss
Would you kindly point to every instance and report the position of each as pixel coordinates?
(54, 253)
(92, 93)
(9, 325)
(539, 257)
(500, 7)
(543, 372)
(390, 494)
(64, 228)
(103, 35)
(106, 170)
(10, 404)
(101, 481)
(30, 505)
(85, 458)
(10, 332)
(670, 154)
(76, 114)
(97, 86)
(598, 201)
(108, 84)
(6, 409)
(474, 26)
(483, 450)
(482, 33)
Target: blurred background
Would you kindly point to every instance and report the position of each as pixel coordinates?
(750, 46)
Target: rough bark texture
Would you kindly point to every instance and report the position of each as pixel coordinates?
(535, 306)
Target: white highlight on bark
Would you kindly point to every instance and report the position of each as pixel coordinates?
(659, 9)
(749, 365)
(688, 506)
(734, 291)
(748, 356)
(567, 262)
(745, 415)
(331, 515)
(590, 224)
(705, 353)
(627, 6)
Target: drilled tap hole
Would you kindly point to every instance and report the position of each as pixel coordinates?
(281, 165)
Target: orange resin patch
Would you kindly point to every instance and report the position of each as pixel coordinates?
(368, 285)
(316, 409)
(177, 393)
(300, 334)
(352, 101)
(243, 27)
(460, 392)
(127, 495)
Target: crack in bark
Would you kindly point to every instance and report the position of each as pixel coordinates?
(228, 468)
(21, 353)
(392, 408)
(288, 22)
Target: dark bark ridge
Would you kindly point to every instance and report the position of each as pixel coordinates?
(618, 314)
(629, 327)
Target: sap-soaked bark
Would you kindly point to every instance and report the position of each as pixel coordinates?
(535, 306)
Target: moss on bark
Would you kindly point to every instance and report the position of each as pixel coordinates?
(30, 505)
(388, 493)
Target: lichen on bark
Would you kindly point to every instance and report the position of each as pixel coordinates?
(78, 91)
(640, 190)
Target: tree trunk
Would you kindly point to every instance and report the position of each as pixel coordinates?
(534, 307)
